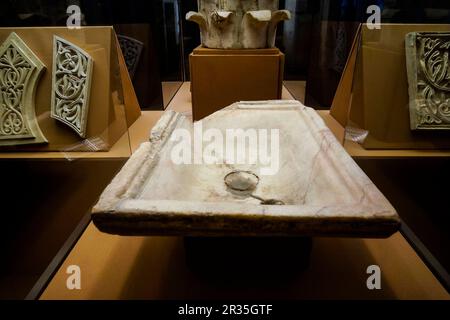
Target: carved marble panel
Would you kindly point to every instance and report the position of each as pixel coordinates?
(71, 85)
(131, 50)
(428, 64)
(237, 24)
(20, 71)
(315, 189)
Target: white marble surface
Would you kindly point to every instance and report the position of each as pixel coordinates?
(238, 24)
(323, 190)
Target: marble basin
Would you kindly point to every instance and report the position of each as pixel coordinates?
(306, 185)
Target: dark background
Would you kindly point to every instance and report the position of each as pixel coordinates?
(317, 27)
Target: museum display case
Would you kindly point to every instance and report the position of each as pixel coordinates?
(224, 149)
(66, 105)
(397, 108)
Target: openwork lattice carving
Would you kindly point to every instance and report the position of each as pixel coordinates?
(132, 50)
(72, 75)
(429, 80)
(20, 71)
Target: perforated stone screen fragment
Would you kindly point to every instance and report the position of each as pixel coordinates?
(427, 56)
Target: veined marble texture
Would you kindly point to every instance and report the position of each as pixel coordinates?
(427, 56)
(71, 85)
(318, 189)
(237, 24)
(132, 50)
(20, 71)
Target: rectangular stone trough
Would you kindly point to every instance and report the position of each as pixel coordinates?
(296, 179)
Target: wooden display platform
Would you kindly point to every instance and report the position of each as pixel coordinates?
(114, 267)
(59, 194)
(137, 133)
(357, 151)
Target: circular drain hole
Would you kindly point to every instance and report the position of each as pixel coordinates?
(243, 181)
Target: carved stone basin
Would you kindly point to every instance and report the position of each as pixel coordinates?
(296, 179)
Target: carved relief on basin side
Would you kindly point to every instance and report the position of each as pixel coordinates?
(427, 56)
(235, 24)
(71, 85)
(20, 71)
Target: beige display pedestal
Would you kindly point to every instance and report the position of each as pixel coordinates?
(222, 77)
(114, 267)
